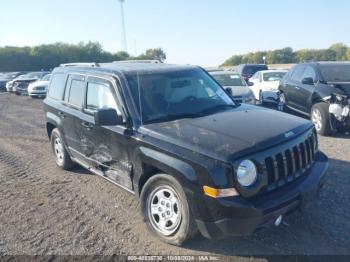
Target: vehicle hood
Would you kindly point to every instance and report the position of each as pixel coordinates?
(239, 90)
(231, 134)
(343, 87)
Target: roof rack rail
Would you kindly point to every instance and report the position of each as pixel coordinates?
(138, 61)
(81, 64)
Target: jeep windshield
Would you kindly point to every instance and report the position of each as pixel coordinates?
(336, 73)
(172, 95)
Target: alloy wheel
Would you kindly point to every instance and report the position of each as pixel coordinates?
(316, 118)
(58, 149)
(164, 210)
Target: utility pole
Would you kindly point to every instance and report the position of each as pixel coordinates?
(123, 34)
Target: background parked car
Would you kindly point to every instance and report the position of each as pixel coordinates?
(248, 70)
(319, 90)
(6, 77)
(237, 87)
(20, 85)
(39, 88)
(264, 85)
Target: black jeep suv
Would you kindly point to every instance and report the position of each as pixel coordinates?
(319, 90)
(171, 136)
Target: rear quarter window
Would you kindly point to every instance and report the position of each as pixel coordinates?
(57, 86)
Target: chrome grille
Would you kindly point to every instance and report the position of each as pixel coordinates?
(290, 164)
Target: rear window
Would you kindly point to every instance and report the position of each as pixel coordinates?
(229, 79)
(77, 93)
(251, 70)
(56, 89)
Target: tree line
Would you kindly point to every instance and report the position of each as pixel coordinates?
(336, 52)
(49, 56)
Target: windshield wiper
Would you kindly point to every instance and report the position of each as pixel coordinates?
(173, 117)
(217, 108)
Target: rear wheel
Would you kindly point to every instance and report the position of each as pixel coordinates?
(282, 103)
(166, 211)
(62, 157)
(321, 118)
(261, 99)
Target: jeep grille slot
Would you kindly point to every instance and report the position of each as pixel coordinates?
(290, 164)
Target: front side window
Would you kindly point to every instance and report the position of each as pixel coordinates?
(309, 72)
(297, 73)
(57, 85)
(167, 96)
(100, 96)
(77, 93)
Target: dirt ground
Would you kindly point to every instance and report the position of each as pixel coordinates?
(44, 210)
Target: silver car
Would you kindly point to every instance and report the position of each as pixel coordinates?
(39, 88)
(236, 86)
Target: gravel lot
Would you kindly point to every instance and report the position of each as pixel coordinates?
(48, 211)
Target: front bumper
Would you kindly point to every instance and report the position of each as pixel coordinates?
(37, 92)
(236, 216)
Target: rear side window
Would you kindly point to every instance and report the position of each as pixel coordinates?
(57, 85)
(77, 93)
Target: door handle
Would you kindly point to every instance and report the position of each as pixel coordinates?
(87, 125)
(61, 114)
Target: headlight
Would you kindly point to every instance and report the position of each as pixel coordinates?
(246, 173)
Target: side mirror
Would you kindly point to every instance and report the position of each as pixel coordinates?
(307, 81)
(228, 91)
(108, 117)
(250, 83)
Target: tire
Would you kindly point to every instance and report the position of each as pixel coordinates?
(282, 103)
(61, 155)
(261, 100)
(321, 118)
(157, 192)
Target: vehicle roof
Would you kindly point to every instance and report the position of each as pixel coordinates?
(253, 65)
(127, 68)
(273, 70)
(224, 73)
(328, 63)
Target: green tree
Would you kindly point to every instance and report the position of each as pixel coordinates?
(153, 54)
(348, 54)
(340, 50)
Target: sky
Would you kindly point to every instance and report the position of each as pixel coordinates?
(202, 32)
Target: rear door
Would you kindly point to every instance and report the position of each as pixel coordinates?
(73, 106)
(105, 147)
(293, 86)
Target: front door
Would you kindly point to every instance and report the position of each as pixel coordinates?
(105, 147)
(305, 92)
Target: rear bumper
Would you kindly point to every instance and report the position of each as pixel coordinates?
(237, 216)
(271, 96)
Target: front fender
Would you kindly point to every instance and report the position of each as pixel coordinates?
(170, 165)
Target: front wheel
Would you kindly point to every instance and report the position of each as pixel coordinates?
(321, 118)
(62, 157)
(166, 211)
